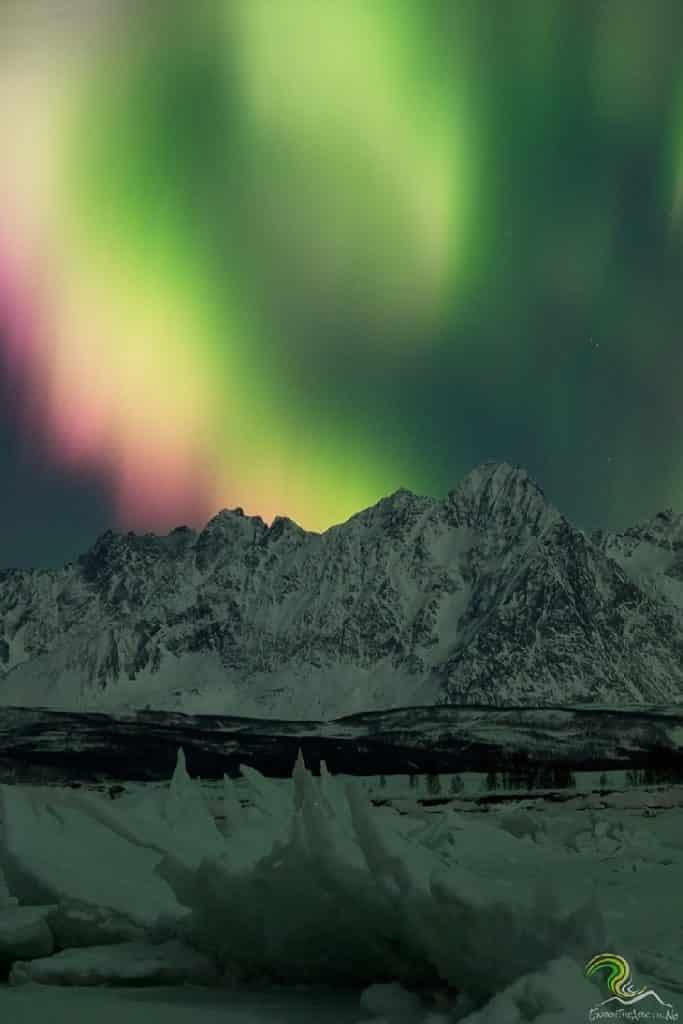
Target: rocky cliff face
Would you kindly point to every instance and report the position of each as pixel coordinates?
(651, 554)
(488, 596)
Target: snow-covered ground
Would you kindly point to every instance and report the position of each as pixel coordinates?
(466, 791)
(402, 912)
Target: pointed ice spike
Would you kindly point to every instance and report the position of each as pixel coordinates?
(318, 827)
(232, 809)
(181, 783)
(299, 776)
(180, 775)
(311, 789)
(389, 871)
(265, 794)
(327, 790)
(184, 806)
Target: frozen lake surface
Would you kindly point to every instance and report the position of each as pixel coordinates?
(51, 1005)
(480, 913)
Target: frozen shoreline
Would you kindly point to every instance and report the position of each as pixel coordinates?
(537, 748)
(304, 880)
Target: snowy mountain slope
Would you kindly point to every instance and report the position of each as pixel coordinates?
(651, 554)
(487, 596)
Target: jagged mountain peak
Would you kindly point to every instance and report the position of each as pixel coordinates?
(663, 529)
(283, 524)
(650, 553)
(400, 496)
(494, 476)
(500, 492)
(664, 525)
(228, 516)
(392, 517)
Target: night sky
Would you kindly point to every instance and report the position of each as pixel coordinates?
(294, 254)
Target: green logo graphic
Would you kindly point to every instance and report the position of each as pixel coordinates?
(621, 990)
(619, 980)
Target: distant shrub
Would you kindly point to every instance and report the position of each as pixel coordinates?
(433, 783)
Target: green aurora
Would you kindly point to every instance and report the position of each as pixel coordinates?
(348, 246)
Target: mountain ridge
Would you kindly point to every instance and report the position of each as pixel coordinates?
(489, 595)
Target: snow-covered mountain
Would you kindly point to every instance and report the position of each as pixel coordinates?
(651, 554)
(487, 596)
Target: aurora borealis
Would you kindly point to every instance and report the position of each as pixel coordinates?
(294, 254)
